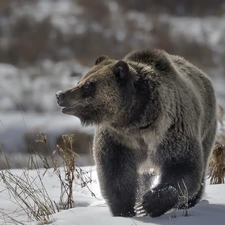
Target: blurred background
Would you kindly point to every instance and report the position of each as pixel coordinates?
(47, 45)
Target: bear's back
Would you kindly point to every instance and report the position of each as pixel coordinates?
(185, 90)
(202, 88)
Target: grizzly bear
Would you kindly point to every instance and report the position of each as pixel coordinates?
(155, 115)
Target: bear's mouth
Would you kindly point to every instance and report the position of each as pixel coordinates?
(76, 109)
(85, 118)
(68, 110)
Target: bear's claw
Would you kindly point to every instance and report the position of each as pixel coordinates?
(139, 210)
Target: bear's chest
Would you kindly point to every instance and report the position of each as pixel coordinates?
(141, 145)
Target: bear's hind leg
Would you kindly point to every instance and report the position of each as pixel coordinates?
(194, 200)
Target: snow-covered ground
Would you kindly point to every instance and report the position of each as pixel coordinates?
(93, 210)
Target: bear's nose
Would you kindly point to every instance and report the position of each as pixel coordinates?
(59, 96)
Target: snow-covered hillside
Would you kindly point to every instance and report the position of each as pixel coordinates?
(199, 39)
(34, 88)
(93, 210)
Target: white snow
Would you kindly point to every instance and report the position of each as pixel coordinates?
(94, 211)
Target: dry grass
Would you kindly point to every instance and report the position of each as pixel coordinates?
(221, 119)
(30, 193)
(8, 219)
(68, 156)
(184, 197)
(217, 161)
(217, 165)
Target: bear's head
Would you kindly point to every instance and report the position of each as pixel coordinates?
(112, 92)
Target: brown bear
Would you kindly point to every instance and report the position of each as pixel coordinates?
(152, 111)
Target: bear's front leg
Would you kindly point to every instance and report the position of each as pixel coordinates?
(157, 201)
(174, 188)
(180, 179)
(117, 172)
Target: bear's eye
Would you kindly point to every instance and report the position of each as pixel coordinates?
(88, 89)
(88, 84)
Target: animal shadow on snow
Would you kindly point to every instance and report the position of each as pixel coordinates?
(203, 213)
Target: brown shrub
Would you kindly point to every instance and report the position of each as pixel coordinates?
(175, 7)
(95, 10)
(31, 41)
(33, 146)
(81, 142)
(217, 165)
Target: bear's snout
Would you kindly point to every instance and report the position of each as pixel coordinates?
(64, 99)
(59, 97)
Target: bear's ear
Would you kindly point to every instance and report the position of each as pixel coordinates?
(121, 71)
(100, 59)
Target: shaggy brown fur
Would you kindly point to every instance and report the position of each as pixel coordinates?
(152, 111)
